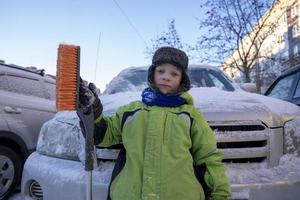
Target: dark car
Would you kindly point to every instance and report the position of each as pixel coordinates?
(287, 86)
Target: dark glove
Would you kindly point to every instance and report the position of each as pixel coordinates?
(89, 100)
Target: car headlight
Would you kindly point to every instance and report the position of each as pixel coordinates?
(62, 137)
(292, 136)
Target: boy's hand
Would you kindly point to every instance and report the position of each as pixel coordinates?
(88, 98)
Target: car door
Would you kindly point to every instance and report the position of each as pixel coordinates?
(26, 107)
(3, 88)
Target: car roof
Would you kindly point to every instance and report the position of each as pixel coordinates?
(28, 72)
(204, 66)
(31, 70)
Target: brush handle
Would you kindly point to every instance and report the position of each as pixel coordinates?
(88, 131)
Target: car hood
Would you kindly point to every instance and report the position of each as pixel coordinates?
(220, 106)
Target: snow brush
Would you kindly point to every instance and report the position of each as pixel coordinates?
(67, 99)
(67, 77)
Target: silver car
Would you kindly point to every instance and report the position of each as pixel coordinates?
(257, 134)
(27, 100)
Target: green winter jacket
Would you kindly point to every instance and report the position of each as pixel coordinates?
(163, 145)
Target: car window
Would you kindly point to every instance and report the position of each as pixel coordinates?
(25, 86)
(282, 88)
(219, 81)
(216, 81)
(137, 77)
(130, 80)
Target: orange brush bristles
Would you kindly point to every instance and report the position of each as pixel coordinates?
(67, 77)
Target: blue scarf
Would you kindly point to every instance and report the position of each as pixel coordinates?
(152, 98)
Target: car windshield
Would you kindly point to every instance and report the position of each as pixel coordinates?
(219, 81)
(135, 79)
(281, 89)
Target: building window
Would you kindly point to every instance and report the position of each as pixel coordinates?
(280, 38)
(296, 50)
(295, 30)
(284, 18)
(294, 11)
(285, 55)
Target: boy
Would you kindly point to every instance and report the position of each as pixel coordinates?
(168, 150)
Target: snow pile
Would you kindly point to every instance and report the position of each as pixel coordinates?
(62, 137)
(288, 170)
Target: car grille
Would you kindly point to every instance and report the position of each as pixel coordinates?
(247, 141)
(35, 191)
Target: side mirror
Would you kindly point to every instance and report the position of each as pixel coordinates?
(249, 87)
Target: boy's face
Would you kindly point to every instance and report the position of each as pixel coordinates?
(167, 78)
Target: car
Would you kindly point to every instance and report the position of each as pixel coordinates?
(259, 136)
(27, 100)
(287, 86)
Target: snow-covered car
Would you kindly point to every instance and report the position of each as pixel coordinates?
(27, 100)
(259, 136)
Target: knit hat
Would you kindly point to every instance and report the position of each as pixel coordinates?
(172, 56)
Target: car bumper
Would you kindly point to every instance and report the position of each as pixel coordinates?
(62, 179)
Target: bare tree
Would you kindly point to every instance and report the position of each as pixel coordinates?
(234, 29)
(169, 38)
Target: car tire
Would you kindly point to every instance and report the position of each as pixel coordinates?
(10, 171)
